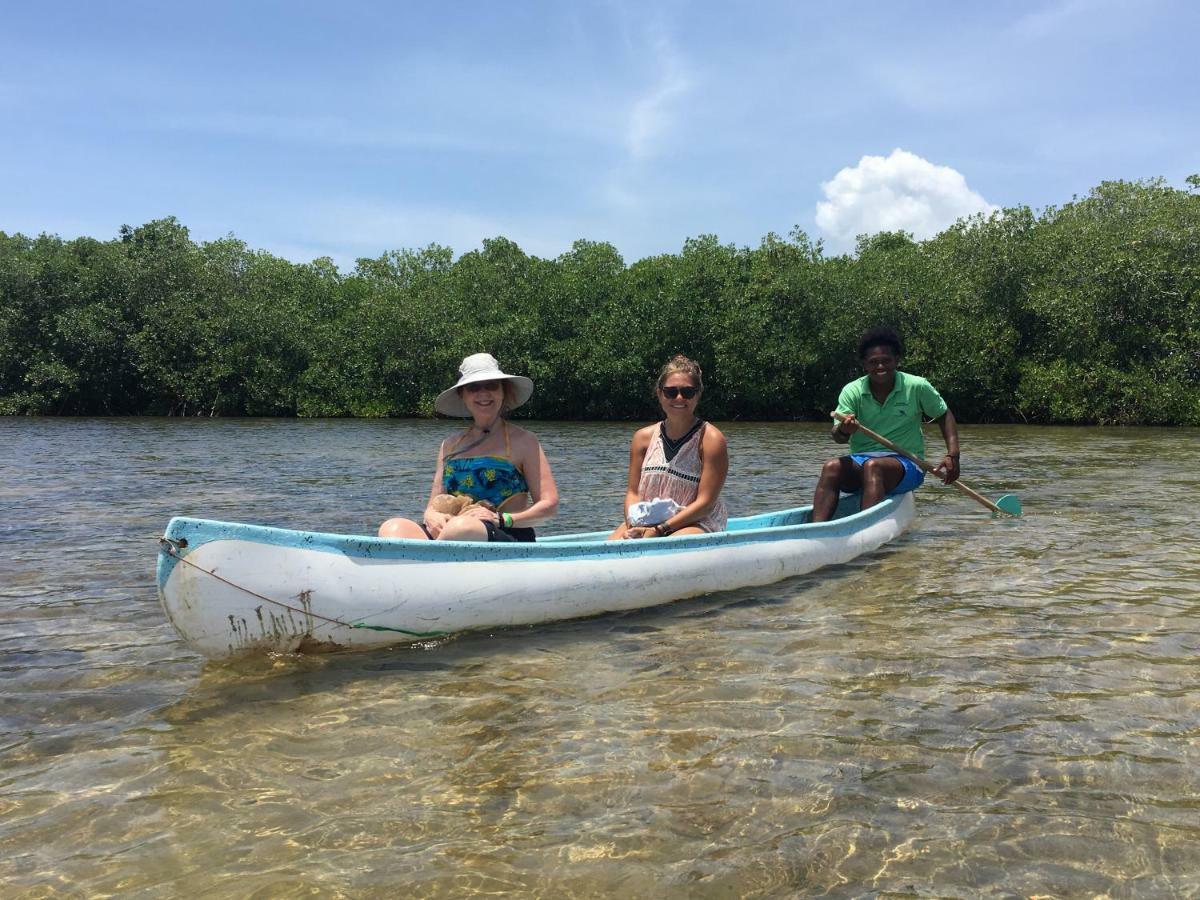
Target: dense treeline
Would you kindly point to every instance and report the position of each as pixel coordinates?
(1081, 314)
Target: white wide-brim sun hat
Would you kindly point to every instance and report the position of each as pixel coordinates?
(480, 367)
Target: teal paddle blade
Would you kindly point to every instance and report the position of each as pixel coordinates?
(1010, 504)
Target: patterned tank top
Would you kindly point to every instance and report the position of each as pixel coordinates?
(494, 479)
(679, 477)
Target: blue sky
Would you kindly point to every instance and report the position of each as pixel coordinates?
(350, 129)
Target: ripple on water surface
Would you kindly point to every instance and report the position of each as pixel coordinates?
(984, 707)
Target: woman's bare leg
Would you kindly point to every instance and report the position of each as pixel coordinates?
(463, 528)
(402, 528)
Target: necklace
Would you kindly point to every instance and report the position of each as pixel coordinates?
(485, 430)
(458, 450)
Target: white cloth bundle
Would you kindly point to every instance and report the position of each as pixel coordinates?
(653, 512)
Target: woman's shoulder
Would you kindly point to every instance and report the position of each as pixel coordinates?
(643, 436)
(522, 440)
(450, 440)
(516, 432)
(713, 436)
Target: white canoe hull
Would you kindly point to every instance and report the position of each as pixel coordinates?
(232, 589)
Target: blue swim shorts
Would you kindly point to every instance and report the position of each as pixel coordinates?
(914, 475)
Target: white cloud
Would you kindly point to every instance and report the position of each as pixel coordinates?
(894, 193)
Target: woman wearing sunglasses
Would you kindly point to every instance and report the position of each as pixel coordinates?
(499, 466)
(677, 467)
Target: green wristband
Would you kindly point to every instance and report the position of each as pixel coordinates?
(506, 518)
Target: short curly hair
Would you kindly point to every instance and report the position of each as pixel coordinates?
(882, 336)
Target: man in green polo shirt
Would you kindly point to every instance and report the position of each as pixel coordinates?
(891, 403)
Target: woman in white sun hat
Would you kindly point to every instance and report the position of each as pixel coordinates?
(499, 466)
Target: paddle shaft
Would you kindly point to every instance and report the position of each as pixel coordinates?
(974, 495)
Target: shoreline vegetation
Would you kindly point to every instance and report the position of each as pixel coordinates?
(1088, 313)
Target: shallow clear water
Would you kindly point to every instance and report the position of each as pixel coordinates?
(983, 708)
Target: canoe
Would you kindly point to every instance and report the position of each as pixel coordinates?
(232, 589)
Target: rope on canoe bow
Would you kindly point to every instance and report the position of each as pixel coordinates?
(171, 548)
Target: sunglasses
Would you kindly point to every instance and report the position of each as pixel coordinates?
(481, 386)
(687, 393)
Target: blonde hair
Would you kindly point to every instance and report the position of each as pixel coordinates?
(680, 365)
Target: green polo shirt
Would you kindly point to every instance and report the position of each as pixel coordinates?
(898, 418)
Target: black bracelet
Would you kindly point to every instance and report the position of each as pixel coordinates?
(952, 455)
(662, 529)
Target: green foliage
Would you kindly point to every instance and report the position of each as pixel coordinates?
(1088, 313)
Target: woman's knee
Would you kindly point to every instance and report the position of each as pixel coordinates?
(401, 528)
(463, 528)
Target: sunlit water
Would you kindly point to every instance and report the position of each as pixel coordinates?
(983, 708)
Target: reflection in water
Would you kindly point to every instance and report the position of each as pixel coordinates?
(984, 707)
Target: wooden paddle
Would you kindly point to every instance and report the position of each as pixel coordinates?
(1008, 504)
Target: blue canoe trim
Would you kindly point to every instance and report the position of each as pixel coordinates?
(782, 525)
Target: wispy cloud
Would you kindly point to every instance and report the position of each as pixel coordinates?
(651, 122)
(653, 112)
(1051, 18)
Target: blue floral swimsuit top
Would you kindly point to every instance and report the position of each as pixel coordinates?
(494, 479)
